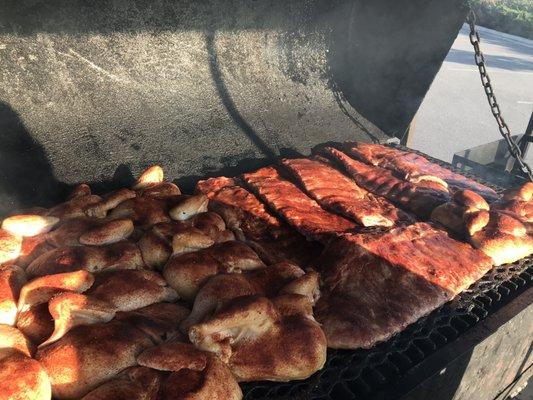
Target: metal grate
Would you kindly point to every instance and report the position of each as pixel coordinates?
(362, 374)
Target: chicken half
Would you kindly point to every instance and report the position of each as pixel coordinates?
(519, 204)
(21, 377)
(89, 355)
(187, 272)
(34, 318)
(10, 246)
(72, 309)
(121, 255)
(283, 277)
(12, 278)
(134, 383)
(158, 321)
(194, 374)
(500, 233)
(131, 289)
(262, 339)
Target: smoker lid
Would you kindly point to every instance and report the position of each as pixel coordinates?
(98, 89)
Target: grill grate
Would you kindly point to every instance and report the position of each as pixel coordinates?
(362, 374)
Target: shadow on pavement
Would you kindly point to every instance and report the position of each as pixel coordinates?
(502, 62)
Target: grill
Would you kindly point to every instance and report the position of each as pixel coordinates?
(383, 371)
(363, 374)
(97, 89)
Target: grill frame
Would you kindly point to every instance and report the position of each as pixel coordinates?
(393, 368)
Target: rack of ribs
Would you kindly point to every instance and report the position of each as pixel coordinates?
(420, 200)
(245, 215)
(338, 193)
(376, 285)
(414, 167)
(241, 209)
(299, 210)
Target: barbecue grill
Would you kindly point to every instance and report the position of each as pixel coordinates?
(97, 89)
(437, 357)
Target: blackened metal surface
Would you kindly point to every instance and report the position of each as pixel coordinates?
(413, 364)
(490, 368)
(202, 87)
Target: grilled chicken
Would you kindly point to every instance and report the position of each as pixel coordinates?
(128, 290)
(283, 277)
(121, 255)
(12, 278)
(134, 383)
(89, 355)
(499, 231)
(186, 273)
(21, 377)
(195, 375)
(260, 341)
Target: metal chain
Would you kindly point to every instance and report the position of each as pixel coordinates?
(489, 91)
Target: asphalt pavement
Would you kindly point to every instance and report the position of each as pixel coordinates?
(455, 114)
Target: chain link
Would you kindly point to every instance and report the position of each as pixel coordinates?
(479, 58)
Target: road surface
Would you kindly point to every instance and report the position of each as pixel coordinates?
(455, 114)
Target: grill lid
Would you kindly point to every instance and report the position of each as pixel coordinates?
(201, 87)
